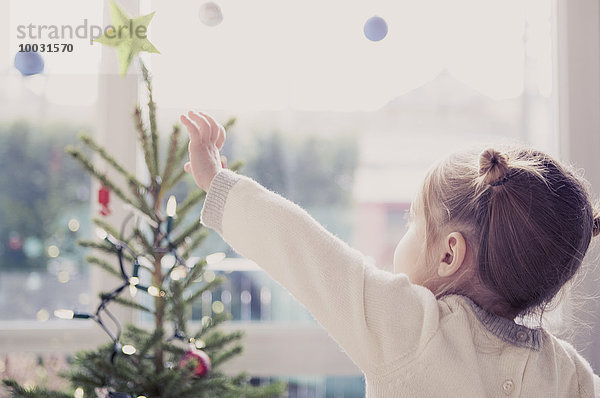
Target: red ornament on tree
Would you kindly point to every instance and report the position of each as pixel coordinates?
(202, 361)
(103, 199)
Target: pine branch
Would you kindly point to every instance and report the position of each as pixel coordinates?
(171, 152)
(143, 134)
(136, 186)
(229, 123)
(108, 248)
(175, 180)
(102, 178)
(82, 378)
(195, 243)
(110, 160)
(19, 391)
(104, 265)
(172, 348)
(221, 357)
(209, 286)
(152, 118)
(236, 166)
(143, 204)
(182, 152)
(132, 331)
(177, 379)
(148, 247)
(215, 321)
(107, 227)
(194, 273)
(193, 228)
(218, 339)
(190, 201)
(178, 306)
(150, 342)
(132, 304)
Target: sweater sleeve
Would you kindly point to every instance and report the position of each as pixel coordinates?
(377, 317)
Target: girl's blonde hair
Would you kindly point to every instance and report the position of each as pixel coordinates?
(527, 221)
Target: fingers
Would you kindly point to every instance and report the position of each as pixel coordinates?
(221, 138)
(204, 126)
(191, 127)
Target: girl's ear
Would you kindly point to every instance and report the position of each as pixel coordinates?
(453, 254)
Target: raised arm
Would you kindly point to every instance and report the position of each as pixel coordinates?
(375, 316)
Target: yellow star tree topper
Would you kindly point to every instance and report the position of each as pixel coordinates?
(128, 35)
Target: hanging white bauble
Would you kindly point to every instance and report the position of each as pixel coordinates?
(210, 14)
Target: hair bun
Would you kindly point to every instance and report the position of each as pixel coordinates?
(493, 166)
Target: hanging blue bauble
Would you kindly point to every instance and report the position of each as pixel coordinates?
(375, 28)
(29, 63)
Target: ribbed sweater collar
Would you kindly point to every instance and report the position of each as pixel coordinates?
(506, 329)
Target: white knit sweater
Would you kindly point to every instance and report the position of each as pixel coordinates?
(407, 343)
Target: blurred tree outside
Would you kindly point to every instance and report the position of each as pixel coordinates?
(315, 172)
(39, 185)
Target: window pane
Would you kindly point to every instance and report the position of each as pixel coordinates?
(44, 210)
(347, 127)
(45, 194)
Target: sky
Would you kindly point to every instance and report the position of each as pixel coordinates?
(305, 55)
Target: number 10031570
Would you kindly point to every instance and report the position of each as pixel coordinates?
(47, 48)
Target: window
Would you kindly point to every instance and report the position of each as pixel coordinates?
(346, 127)
(343, 126)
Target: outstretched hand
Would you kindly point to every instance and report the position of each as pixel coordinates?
(206, 139)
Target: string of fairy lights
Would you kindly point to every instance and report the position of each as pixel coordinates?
(131, 281)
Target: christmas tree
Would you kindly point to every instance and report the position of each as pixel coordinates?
(171, 359)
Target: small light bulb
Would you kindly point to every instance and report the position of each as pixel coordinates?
(134, 280)
(64, 314)
(42, 315)
(101, 233)
(128, 349)
(73, 225)
(209, 276)
(145, 262)
(63, 276)
(53, 251)
(200, 344)
(78, 392)
(168, 260)
(178, 273)
(218, 307)
(132, 290)
(153, 291)
(171, 206)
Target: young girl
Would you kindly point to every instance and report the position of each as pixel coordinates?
(493, 235)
